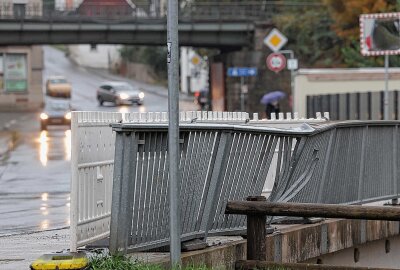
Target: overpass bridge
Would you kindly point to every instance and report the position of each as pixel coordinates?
(205, 24)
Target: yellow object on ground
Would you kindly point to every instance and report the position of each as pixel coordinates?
(61, 261)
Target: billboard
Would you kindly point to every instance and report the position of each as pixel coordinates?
(379, 34)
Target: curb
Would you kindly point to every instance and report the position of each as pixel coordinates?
(161, 93)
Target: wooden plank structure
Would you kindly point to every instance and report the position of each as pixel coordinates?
(256, 208)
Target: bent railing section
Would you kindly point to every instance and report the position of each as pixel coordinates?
(347, 163)
(218, 162)
(224, 156)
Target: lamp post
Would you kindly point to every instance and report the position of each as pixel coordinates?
(173, 132)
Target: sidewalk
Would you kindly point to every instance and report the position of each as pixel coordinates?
(19, 251)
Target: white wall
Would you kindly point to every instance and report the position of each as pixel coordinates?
(336, 81)
(104, 56)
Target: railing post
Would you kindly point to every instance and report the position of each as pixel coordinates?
(256, 233)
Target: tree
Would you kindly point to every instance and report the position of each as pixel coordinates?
(153, 56)
(311, 37)
(346, 13)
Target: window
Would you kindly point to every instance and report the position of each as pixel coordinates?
(15, 72)
(106, 87)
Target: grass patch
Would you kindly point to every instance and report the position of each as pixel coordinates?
(102, 262)
(106, 262)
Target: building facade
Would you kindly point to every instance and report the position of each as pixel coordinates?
(18, 8)
(21, 78)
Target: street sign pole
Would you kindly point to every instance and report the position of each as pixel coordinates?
(386, 94)
(173, 132)
(292, 73)
(241, 94)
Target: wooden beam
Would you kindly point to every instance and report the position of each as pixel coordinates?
(313, 210)
(245, 265)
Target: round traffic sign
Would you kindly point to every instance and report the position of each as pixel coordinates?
(276, 62)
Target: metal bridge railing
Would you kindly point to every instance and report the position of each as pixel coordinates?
(224, 156)
(209, 141)
(217, 11)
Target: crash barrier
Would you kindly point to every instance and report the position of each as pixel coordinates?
(92, 164)
(256, 209)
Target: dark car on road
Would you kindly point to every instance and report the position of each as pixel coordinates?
(56, 112)
(119, 93)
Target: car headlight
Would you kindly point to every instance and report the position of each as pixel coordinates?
(141, 95)
(68, 116)
(123, 96)
(44, 116)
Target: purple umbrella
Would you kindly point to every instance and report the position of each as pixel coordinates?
(272, 96)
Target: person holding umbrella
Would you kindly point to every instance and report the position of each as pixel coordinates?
(271, 100)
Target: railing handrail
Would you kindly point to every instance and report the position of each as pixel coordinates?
(208, 11)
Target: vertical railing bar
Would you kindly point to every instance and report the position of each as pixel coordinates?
(146, 153)
(230, 181)
(164, 188)
(165, 216)
(272, 142)
(251, 170)
(394, 164)
(279, 163)
(263, 156)
(150, 207)
(131, 150)
(158, 187)
(328, 166)
(117, 207)
(187, 138)
(208, 173)
(190, 212)
(286, 157)
(237, 191)
(222, 153)
(75, 180)
(362, 163)
(224, 179)
(188, 176)
(201, 176)
(139, 190)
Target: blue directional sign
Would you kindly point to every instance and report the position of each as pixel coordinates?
(242, 71)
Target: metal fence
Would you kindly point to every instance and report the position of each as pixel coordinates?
(155, 10)
(355, 106)
(93, 162)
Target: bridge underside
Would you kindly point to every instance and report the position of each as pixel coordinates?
(227, 35)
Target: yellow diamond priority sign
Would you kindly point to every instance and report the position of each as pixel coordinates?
(275, 40)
